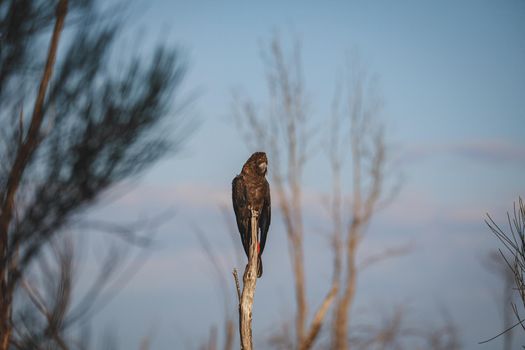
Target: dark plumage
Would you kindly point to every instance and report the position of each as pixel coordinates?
(251, 190)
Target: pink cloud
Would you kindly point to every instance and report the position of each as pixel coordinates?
(188, 194)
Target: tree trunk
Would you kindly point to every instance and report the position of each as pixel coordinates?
(5, 326)
(248, 290)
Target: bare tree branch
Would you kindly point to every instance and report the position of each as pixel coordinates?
(368, 159)
(355, 133)
(318, 319)
(385, 255)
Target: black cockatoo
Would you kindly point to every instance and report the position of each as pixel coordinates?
(250, 190)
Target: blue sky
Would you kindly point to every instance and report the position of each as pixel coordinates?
(452, 74)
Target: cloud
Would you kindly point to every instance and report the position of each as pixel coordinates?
(191, 194)
(204, 199)
(192, 201)
(493, 151)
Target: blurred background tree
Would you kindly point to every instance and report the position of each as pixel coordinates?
(359, 158)
(290, 138)
(73, 124)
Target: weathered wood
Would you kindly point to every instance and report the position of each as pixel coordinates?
(248, 289)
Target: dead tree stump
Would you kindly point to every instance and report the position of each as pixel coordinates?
(248, 289)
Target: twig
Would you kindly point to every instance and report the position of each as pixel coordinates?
(237, 285)
(503, 332)
(388, 253)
